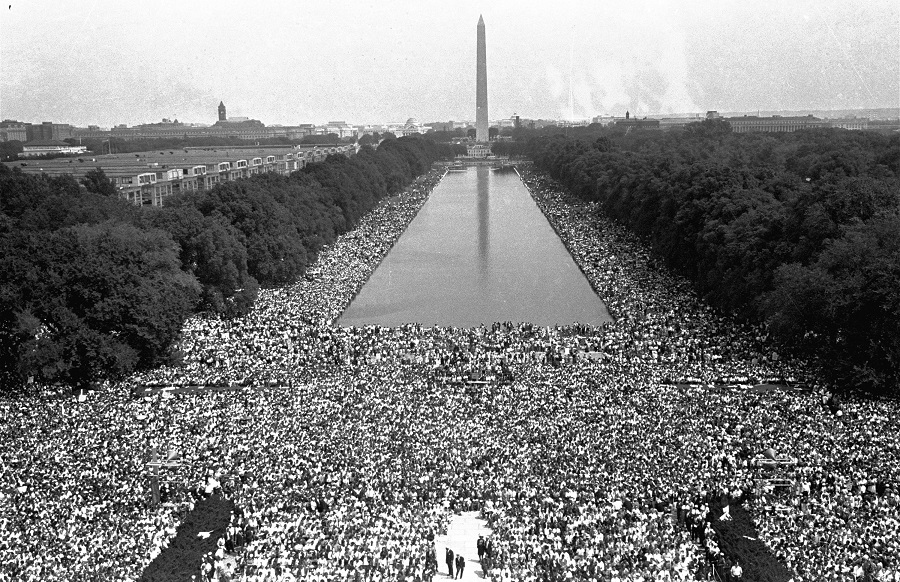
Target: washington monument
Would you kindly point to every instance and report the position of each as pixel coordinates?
(481, 112)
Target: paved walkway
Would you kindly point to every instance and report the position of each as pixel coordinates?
(462, 538)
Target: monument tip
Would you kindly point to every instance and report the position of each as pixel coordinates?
(480, 20)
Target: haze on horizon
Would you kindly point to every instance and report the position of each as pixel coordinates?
(108, 62)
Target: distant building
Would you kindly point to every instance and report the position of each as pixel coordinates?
(300, 131)
(631, 124)
(148, 178)
(538, 123)
(48, 130)
(13, 130)
(164, 124)
(233, 120)
(49, 147)
(884, 125)
(665, 122)
(339, 128)
(478, 150)
(573, 122)
(239, 130)
(45, 131)
(677, 122)
(225, 127)
(773, 124)
(856, 123)
(410, 127)
(512, 122)
(443, 125)
(605, 120)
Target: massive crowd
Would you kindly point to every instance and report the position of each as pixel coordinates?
(594, 453)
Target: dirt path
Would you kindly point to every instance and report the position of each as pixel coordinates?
(462, 538)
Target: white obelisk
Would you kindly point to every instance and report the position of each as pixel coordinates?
(481, 106)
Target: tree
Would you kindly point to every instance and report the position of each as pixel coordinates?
(95, 288)
(10, 150)
(96, 182)
(846, 306)
(93, 302)
(211, 250)
(791, 228)
(44, 203)
(708, 128)
(445, 136)
(327, 139)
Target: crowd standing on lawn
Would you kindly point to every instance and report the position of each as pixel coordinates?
(593, 453)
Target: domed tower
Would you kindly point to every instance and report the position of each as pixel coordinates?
(222, 111)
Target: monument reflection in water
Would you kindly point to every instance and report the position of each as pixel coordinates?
(478, 251)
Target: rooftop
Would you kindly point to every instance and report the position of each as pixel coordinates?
(45, 142)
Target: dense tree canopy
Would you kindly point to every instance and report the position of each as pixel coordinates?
(324, 139)
(10, 150)
(91, 301)
(796, 229)
(94, 287)
(446, 136)
(212, 250)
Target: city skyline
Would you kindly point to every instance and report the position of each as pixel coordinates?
(373, 63)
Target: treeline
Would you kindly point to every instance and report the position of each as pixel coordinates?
(10, 150)
(94, 287)
(800, 230)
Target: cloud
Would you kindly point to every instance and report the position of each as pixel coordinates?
(637, 62)
(125, 62)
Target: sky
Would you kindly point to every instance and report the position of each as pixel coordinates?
(109, 62)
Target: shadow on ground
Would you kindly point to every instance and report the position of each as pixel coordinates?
(182, 559)
(739, 540)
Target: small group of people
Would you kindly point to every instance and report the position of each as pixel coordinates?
(456, 561)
